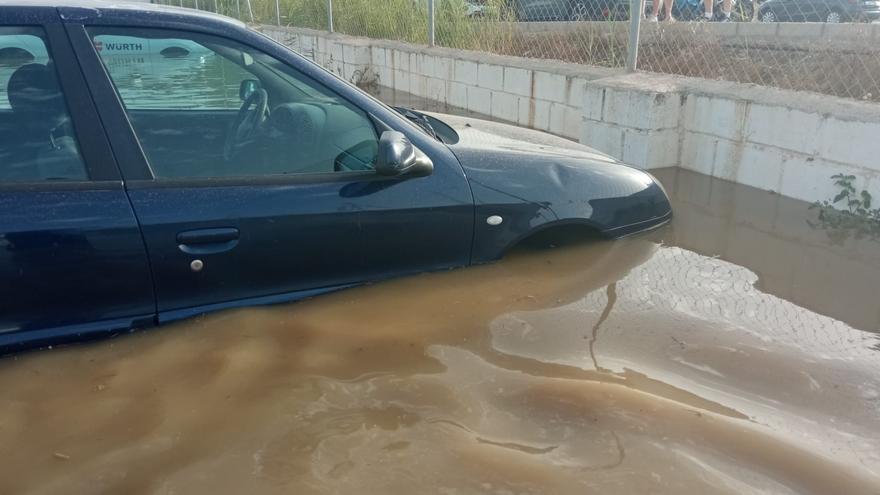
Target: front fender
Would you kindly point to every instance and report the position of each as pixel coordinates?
(611, 199)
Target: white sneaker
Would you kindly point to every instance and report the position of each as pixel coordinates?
(652, 18)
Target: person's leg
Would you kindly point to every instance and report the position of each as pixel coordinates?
(707, 8)
(655, 9)
(668, 6)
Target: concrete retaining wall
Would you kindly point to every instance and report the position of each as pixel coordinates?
(784, 141)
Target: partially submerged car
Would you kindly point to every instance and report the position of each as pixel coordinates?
(221, 169)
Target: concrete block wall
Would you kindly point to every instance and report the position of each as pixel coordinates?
(504, 88)
(782, 141)
(539, 94)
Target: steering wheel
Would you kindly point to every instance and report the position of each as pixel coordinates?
(251, 116)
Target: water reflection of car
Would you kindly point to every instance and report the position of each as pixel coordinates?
(141, 189)
(831, 11)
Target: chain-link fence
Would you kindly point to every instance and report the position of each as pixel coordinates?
(826, 46)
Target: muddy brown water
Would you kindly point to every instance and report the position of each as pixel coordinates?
(733, 351)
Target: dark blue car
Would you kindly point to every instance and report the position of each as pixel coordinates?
(157, 163)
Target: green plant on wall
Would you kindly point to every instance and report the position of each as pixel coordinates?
(849, 214)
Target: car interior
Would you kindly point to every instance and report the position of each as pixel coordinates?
(284, 124)
(35, 129)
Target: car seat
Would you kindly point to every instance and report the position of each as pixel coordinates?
(44, 148)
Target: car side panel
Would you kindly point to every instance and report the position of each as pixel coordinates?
(70, 258)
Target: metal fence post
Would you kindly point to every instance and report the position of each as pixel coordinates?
(330, 15)
(278, 11)
(637, 9)
(430, 22)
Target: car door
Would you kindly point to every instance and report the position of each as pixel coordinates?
(274, 214)
(72, 260)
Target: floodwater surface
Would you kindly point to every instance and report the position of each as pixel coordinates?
(699, 358)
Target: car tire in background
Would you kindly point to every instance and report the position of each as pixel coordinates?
(768, 16)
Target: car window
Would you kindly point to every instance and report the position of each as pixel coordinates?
(208, 107)
(37, 142)
(170, 73)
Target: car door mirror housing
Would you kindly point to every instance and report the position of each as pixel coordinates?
(247, 88)
(397, 156)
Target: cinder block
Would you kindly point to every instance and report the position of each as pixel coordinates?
(415, 63)
(565, 120)
(534, 113)
(479, 100)
(783, 127)
(526, 113)
(852, 142)
(456, 94)
(549, 86)
(712, 115)
(698, 152)
(336, 52)
(760, 167)
(728, 155)
(437, 89)
(418, 84)
(542, 114)
(465, 72)
(518, 81)
(490, 77)
(576, 90)
(427, 63)
(607, 138)
(355, 54)
(401, 81)
(811, 180)
(650, 149)
(377, 57)
(400, 59)
(386, 76)
(639, 109)
(505, 106)
(593, 101)
(439, 66)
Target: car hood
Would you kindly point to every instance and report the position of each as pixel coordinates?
(541, 179)
(486, 135)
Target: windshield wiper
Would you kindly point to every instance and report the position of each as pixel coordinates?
(420, 120)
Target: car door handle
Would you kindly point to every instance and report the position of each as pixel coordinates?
(207, 241)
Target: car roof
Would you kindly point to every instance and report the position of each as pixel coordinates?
(123, 6)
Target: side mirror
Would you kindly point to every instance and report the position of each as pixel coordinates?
(247, 88)
(397, 156)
